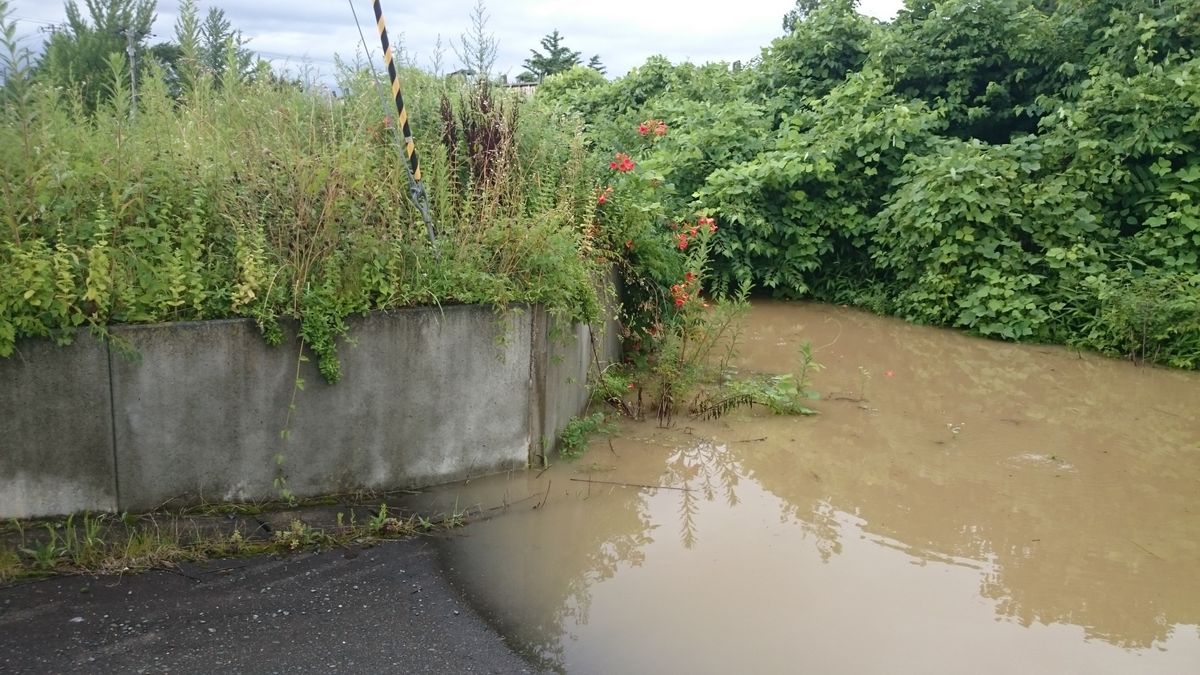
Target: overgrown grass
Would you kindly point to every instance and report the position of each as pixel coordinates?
(255, 199)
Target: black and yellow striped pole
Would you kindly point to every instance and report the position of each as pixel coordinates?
(416, 188)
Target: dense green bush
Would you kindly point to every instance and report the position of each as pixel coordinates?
(1017, 168)
(815, 55)
(800, 213)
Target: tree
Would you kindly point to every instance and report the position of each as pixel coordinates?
(187, 30)
(580, 89)
(1115, 34)
(77, 57)
(223, 49)
(169, 57)
(594, 64)
(558, 58)
(988, 65)
(15, 59)
(477, 47)
(797, 14)
(437, 61)
(815, 56)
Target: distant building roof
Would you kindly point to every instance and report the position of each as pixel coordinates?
(527, 88)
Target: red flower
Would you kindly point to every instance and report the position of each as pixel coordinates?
(683, 241)
(680, 293)
(689, 277)
(621, 162)
(709, 222)
(604, 195)
(657, 127)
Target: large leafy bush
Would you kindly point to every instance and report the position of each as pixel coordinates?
(1017, 168)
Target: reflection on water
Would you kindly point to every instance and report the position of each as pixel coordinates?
(970, 506)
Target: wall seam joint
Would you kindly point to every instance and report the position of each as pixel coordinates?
(112, 419)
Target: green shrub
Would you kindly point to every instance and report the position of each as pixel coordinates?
(1153, 316)
(574, 437)
(1019, 169)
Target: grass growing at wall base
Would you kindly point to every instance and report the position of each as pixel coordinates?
(111, 544)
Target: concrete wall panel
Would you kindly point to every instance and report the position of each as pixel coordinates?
(426, 396)
(208, 412)
(56, 440)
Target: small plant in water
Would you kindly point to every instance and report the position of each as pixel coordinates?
(779, 393)
(787, 394)
(611, 387)
(808, 365)
(864, 376)
(574, 437)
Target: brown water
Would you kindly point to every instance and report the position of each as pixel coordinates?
(988, 508)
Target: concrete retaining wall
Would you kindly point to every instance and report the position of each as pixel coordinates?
(56, 435)
(209, 412)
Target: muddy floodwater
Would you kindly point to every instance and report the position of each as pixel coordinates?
(958, 506)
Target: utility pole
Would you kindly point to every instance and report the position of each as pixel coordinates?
(132, 54)
(131, 40)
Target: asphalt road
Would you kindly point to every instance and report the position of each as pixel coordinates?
(386, 609)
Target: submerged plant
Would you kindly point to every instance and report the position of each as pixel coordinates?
(864, 376)
(573, 439)
(786, 394)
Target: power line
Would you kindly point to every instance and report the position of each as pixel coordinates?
(44, 23)
(292, 57)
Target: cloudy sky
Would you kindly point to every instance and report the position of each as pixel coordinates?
(622, 32)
